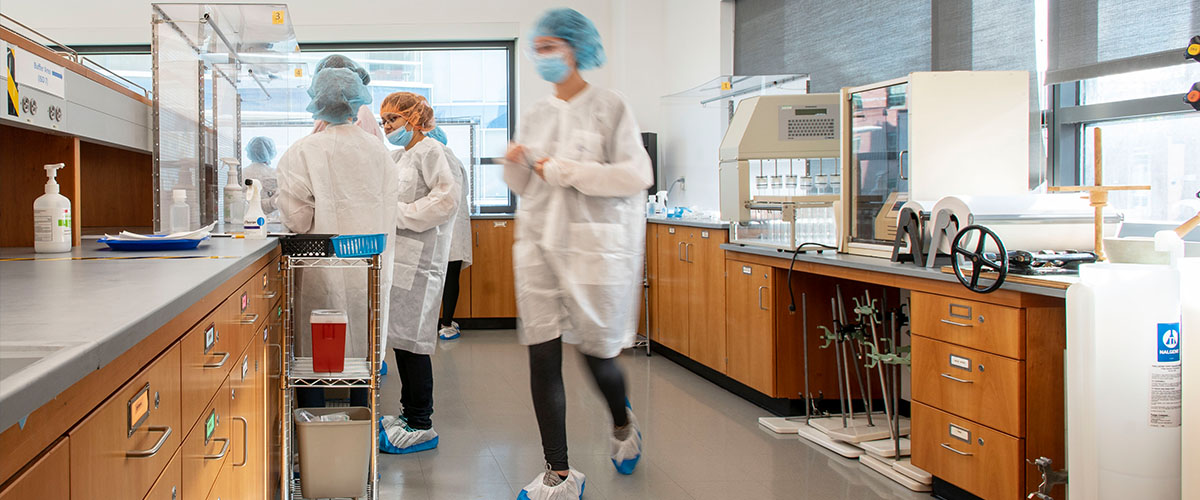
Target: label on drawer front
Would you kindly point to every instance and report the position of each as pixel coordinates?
(960, 434)
(960, 362)
(210, 338)
(138, 409)
(747, 270)
(210, 425)
(245, 300)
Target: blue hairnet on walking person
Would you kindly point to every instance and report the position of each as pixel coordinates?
(261, 150)
(336, 95)
(340, 61)
(578, 31)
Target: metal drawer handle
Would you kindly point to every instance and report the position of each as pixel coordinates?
(688, 253)
(271, 295)
(680, 252)
(165, 429)
(963, 453)
(760, 304)
(955, 323)
(245, 440)
(956, 379)
(253, 318)
(224, 358)
(224, 449)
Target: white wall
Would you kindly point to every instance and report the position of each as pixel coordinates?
(654, 47)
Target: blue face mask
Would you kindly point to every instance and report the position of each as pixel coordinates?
(437, 134)
(401, 137)
(553, 69)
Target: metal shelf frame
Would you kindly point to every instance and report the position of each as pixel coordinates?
(359, 373)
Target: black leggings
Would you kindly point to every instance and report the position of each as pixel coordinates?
(450, 292)
(416, 388)
(550, 400)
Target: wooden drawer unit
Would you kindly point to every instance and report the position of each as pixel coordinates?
(985, 327)
(121, 449)
(243, 468)
(976, 458)
(47, 478)
(207, 446)
(206, 357)
(223, 489)
(982, 387)
(169, 484)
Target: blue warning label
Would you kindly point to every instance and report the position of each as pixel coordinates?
(1168, 342)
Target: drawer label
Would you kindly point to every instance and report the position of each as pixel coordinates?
(960, 311)
(960, 362)
(266, 282)
(245, 366)
(747, 270)
(671, 230)
(500, 223)
(245, 300)
(138, 409)
(704, 234)
(960, 434)
(210, 338)
(210, 426)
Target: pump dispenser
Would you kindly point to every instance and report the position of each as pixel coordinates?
(52, 216)
(255, 222)
(235, 203)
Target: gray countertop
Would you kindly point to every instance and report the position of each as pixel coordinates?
(62, 319)
(703, 224)
(879, 265)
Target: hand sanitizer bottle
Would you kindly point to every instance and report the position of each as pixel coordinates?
(52, 217)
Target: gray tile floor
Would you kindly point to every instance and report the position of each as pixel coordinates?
(701, 441)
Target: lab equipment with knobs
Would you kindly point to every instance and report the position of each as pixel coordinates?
(780, 175)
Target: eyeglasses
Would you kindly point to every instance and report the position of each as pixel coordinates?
(388, 119)
(547, 48)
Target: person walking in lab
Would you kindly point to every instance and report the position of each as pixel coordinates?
(581, 172)
(460, 246)
(429, 197)
(260, 151)
(338, 181)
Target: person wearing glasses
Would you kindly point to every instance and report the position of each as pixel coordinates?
(581, 172)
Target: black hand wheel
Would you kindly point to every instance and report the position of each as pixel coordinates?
(980, 262)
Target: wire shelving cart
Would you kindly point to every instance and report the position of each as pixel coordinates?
(359, 373)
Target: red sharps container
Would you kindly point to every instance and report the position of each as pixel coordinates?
(328, 340)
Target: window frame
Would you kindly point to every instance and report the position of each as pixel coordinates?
(509, 45)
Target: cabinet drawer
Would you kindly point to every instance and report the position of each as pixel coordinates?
(223, 489)
(982, 387)
(47, 478)
(973, 457)
(206, 356)
(987, 327)
(170, 483)
(108, 460)
(207, 446)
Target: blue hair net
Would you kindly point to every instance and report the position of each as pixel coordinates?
(336, 94)
(340, 61)
(578, 31)
(437, 134)
(261, 149)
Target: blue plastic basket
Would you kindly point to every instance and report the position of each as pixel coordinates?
(350, 246)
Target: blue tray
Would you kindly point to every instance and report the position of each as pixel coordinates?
(152, 245)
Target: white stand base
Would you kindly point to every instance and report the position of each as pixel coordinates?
(886, 448)
(857, 430)
(885, 468)
(820, 439)
(905, 466)
(782, 425)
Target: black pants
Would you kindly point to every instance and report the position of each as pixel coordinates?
(550, 400)
(450, 292)
(416, 388)
(314, 397)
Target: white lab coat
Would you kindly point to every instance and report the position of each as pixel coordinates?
(339, 181)
(270, 185)
(424, 224)
(460, 242)
(580, 236)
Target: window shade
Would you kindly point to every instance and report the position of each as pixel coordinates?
(1093, 38)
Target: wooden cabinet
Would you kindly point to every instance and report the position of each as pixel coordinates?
(120, 450)
(492, 290)
(973, 457)
(978, 325)
(170, 483)
(207, 446)
(688, 290)
(750, 324)
(207, 354)
(48, 477)
(243, 469)
(983, 387)
(271, 378)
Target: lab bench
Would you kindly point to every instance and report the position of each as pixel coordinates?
(723, 311)
(140, 376)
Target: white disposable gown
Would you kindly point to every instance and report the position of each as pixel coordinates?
(424, 224)
(339, 181)
(460, 242)
(580, 236)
